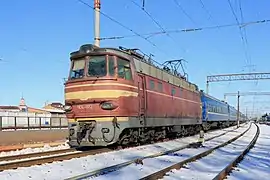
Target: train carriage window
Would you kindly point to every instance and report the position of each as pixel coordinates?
(152, 84)
(124, 70)
(173, 91)
(97, 66)
(77, 69)
(111, 66)
(160, 87)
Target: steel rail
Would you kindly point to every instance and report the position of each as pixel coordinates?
(36, 154)
(229, 167)
(38, 161)
(50, 159)
(121, 165)
(179, 165)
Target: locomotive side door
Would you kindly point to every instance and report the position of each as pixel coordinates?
(142, 99)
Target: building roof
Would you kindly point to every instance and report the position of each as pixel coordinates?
(36, 110)
(54, 107)
(54, 110)
(10, 107)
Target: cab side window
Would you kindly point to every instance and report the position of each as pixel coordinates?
(173, 91)
(124, 69)
(160, 87)
(152, 84)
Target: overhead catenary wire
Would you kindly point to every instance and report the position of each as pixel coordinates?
(177, 2)
(249, 65)
(148, 14)
(213, 21)
(242, 20)
(185, 13)
(189, 29)
(241, 33)
(206, 10)
(124, 26)
(245, 34)
(155, 21)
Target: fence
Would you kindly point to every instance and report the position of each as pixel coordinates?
(24, 120)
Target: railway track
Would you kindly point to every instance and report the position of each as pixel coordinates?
(220, 175)
(13, 162)
(38, 154)
(122, 165)
(26, 160)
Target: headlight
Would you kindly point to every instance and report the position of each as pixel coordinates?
(108, 105)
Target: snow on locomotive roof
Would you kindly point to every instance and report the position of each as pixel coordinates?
(142, 65)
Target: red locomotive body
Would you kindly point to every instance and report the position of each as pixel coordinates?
(115, 95)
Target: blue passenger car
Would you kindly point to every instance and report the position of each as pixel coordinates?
(214, 111)
(232, 114)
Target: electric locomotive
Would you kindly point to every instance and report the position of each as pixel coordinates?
(117, 95)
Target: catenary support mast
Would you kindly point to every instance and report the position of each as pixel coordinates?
(97, 22)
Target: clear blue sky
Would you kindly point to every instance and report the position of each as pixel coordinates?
(37, 36)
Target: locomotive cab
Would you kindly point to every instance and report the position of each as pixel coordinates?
(98, 65)
(99, 86)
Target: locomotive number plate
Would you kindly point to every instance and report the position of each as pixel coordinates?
(82, 107)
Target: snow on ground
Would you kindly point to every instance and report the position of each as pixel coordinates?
(73, 167)
(209, 166)
(256, 164)
(137, 171)
(46, 147)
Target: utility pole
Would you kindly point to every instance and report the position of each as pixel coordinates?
(238, 97)
(97, 22)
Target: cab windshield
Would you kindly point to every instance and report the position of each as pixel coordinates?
(101, 66)
(77, 69)
(97, 66)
